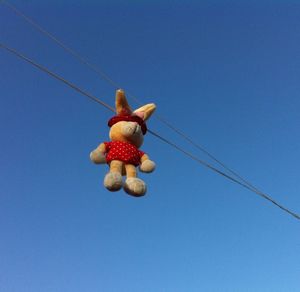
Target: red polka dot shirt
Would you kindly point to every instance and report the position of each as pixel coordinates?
(123, 151)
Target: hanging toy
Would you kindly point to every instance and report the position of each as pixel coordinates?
(122, 154)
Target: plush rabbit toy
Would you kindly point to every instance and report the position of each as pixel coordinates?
(127, 130)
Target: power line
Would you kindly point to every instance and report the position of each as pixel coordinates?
(188, 154)
(44, 69)
(261, 194)
(60, 43)
(103, 75)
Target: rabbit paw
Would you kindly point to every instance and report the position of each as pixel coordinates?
(113, 181)
(135, 187)
(147, 166)
(97, 157)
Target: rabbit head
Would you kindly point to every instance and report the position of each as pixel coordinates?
(129, 126)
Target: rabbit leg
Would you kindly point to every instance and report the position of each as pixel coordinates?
(133, 185)
(113, 179)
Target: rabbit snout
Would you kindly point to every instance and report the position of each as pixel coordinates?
(131, 129)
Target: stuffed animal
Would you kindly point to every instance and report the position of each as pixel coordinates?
(122, 154)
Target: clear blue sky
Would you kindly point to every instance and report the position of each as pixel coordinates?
(226, 73)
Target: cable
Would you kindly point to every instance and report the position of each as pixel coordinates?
(116, 86)
(198, 146)
(44, 69)
(261, 194)
(61, 44)
(188, 154)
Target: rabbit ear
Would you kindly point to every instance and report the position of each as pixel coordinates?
(145, 111)
(122, 106)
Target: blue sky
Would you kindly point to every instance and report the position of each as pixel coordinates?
(224, 72)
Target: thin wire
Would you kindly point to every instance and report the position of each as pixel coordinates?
(116, 85)
(188, 154)
(211, 156)
(44, 69)
(60, 43)
(263, 195)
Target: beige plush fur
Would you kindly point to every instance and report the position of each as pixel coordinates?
(130, 132)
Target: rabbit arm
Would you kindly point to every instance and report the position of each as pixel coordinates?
(98, 155)
(147, 165)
